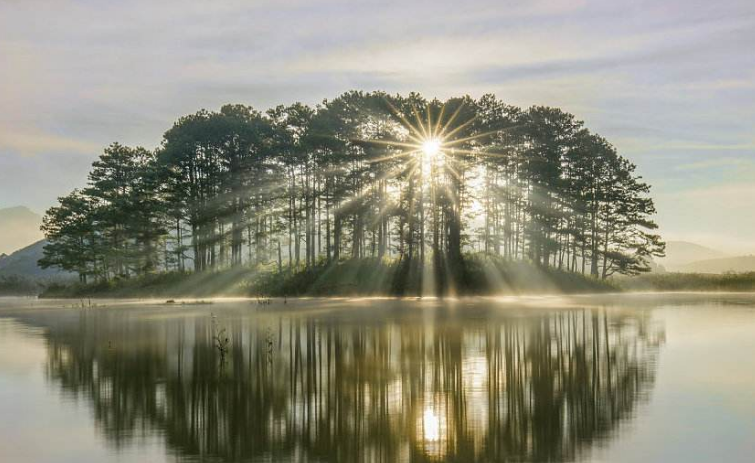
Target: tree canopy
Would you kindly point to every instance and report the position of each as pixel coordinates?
(367, 174)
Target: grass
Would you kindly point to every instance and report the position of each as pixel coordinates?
(387, 277)
(736, 282)
(232, 282)
(495, 275)
(478, 275)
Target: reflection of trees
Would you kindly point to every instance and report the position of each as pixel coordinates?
(538, 388)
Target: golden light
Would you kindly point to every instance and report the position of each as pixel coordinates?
(430, 426)
(433, 430)
(431, 148)
(430, 153)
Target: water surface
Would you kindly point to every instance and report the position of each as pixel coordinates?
(593, 378)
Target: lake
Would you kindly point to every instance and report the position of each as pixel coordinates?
(604, 378)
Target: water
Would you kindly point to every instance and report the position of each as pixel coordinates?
(592, 378)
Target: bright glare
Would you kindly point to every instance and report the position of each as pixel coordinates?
(431, 154)
(433, 429)
(431, 426)
(431, 147)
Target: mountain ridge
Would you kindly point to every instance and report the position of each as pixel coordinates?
(681, 253)
(736, 264)
(19, 227)
(23, 263)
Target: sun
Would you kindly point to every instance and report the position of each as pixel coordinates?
(431, 147)
(430, 152)
(430, 143)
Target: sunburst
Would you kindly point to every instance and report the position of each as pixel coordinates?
(427, 140)
(430, 154)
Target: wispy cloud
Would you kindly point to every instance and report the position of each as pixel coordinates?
(692, 146)
(27, 142)
(714, 163)
(669, 83)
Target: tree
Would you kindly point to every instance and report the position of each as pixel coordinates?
(73, 242)
(352, 179)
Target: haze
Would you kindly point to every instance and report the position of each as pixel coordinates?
(670, 83)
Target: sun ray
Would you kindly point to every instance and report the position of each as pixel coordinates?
(449, 194)
(459, 128)
(453, 171)
(430, 132)
(436, 130)
(477, 136)
(407, 125)
(496, 155)
(385, 142)
(390, 157)
(419, 121)
(450, 121)
(349, 201)
(463, 151)
(458, 141)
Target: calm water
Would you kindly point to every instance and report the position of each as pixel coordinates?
(594, 378)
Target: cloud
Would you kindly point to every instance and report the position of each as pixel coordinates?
(692, 146)
(31, 143)
(724, 162)
(669, 83)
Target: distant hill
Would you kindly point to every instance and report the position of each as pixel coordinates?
(681, 253)
(19, 227)
(24, 263)
(727, 264)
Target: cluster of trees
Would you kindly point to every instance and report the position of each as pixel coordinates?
(362, 175)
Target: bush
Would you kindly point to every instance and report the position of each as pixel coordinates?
(13, 285)
(168, 284)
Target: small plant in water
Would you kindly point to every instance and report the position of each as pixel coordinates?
(269, 338)
(220, 339)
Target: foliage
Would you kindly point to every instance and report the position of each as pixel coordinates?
(167, 284)
(12, 285)
(300, 187)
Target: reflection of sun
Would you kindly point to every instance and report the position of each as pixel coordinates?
(430, 426)
(433, 430)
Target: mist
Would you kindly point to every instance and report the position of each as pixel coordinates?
(19, 227)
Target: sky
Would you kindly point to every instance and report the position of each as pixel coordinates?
(671, 83)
